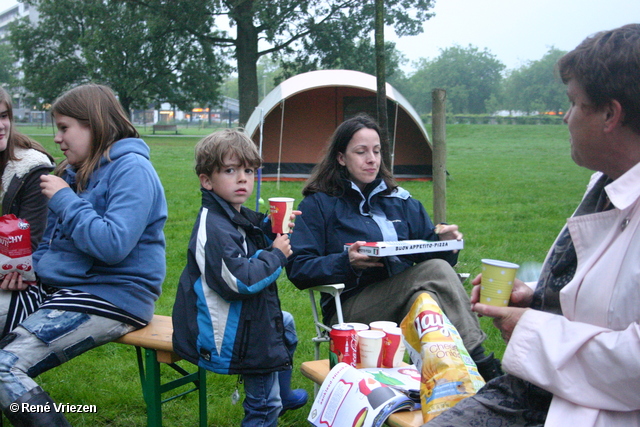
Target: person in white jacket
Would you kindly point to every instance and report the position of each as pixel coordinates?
(573, 353)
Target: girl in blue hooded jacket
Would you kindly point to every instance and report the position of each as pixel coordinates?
(102, 257)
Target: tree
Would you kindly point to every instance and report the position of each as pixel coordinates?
(142, 58)
(7, 67)
(280, 24)
(469, 75)
(381, 69)
(324, 51)
(535, 86)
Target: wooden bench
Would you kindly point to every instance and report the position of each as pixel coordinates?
(165, 128)
(156, 341)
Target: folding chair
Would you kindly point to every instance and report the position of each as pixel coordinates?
(322, 330)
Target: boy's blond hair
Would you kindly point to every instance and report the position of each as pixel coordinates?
(211, 150)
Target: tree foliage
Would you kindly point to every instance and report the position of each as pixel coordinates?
(535, 87)
(7, 68)
(469, 75)
(144, 58)
(280, 24)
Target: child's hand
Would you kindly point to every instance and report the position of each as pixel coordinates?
(51, 184)
(283, 243)
(293, 218)
(13, 282)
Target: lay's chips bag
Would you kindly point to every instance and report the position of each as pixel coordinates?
(448, 374)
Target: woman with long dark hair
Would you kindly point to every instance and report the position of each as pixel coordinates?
(352, 197)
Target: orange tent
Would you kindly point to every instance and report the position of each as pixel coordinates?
(299, 116)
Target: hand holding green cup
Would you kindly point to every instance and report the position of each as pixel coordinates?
(497, 282)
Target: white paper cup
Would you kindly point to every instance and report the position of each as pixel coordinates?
(379, 325)
(370, 347)
(358, 327)
(280, 209)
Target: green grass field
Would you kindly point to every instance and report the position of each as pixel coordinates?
(510, 189)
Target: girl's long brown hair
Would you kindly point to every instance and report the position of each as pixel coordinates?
(15, 138)
(94, 106)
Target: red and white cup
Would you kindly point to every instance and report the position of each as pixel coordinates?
(280, 209)
(392, 348)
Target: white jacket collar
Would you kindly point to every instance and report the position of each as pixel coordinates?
(625, 190)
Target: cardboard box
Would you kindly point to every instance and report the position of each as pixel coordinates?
(407, 247)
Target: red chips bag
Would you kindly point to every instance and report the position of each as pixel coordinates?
(15, 247)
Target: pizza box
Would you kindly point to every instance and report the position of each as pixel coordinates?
(406, 247)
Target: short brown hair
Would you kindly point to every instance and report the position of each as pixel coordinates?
(607, 66)
(211, 150)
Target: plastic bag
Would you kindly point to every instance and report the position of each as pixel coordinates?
(15, 247)
(448, 374)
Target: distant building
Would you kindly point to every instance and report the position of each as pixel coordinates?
(20, 111)
(18, 11)
(227, 112)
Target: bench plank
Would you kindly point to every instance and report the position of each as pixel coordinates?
(157, 335)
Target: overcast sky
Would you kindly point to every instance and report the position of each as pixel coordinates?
(515, 31)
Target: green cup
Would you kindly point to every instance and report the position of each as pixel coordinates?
(497, 282)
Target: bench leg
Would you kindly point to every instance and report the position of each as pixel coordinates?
(150, 380)
(202, 396)
(152, 388)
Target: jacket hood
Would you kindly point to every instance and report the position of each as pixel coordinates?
(118, 149)
(126, 146)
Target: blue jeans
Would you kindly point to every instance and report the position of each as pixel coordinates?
(45, 340)
(262, 403)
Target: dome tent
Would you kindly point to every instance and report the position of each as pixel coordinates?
(299, 116)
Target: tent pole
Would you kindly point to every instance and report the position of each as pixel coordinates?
(393, 143)
(280, 148)
(439, 155)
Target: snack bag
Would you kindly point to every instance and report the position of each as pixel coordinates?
(15, 247)
(447, 372)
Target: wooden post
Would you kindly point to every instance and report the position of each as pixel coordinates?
(439, 121)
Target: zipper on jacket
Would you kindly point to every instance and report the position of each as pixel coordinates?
(245, 340)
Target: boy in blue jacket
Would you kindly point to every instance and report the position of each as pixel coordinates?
(238, 326)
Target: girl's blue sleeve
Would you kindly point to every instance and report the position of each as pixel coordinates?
(129, 202)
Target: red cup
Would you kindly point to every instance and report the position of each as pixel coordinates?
(392, 348)
(281, 209)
